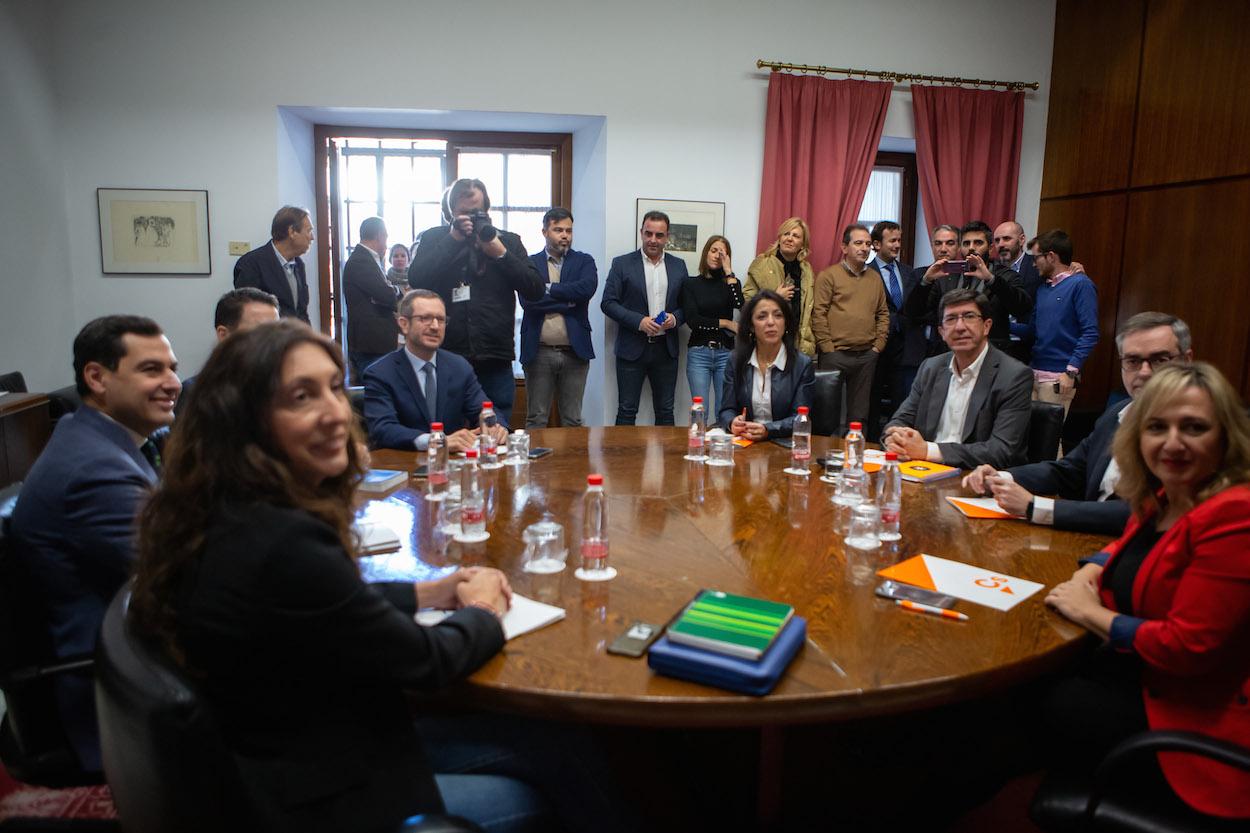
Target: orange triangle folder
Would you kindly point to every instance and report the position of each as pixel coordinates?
(912, 571)
(978, 510)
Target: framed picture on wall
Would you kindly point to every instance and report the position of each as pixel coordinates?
(690, 225)
(153, 231)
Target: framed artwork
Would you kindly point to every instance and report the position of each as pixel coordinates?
(154, 231)
(690, 225)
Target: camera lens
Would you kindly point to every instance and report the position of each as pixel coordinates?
(487, 233)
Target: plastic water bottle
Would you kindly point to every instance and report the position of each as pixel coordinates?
(436, 463)
(698, 429)
(595, 532)
(486, 440)
(801, 451)
(890, 497)
(852, 486)
(472, 500)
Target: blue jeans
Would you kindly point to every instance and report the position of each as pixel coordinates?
(705, 367)
(495, 377)
(660, 368)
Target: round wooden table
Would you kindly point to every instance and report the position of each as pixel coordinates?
(677, 527)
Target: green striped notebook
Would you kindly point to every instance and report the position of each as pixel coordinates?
(738, 626)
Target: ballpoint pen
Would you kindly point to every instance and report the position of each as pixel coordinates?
(936, 611)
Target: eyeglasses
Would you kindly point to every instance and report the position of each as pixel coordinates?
(1132, 364)
(427, 320)
(966, 317)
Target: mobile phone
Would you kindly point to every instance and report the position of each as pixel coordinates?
(784, 442)
(635, 641)
(955, 267)
(535, 453)
(893, 590)
(421, 471)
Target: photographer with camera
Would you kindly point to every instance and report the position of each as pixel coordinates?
(478, 271)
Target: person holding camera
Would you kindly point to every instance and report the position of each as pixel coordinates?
(478, 270)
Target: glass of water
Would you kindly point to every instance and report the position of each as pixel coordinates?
(720, 450)
(518, 448)
(865, 524)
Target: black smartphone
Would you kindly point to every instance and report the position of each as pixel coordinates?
(535, 453)
(893, 590)
(955, 267)
(784, 442)
(636, 640)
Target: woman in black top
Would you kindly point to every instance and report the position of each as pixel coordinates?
(708, 300)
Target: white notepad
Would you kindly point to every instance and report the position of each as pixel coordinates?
(524, 616)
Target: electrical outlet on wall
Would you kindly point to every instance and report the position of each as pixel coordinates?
(240, 247)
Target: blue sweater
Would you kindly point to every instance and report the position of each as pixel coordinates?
(1065, 323)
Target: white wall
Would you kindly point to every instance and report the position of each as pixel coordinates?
(181, 94)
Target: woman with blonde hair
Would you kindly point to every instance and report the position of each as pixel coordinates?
(784, 269)
(1171, 596)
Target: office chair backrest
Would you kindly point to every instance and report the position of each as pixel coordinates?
(13, 382)
(356, 395)
(1045, 430)
(828, 411)
(165, 761)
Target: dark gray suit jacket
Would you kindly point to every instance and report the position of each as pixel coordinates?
(371, 301)
(996, 429)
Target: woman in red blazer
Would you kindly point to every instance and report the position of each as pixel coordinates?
(1172, 595)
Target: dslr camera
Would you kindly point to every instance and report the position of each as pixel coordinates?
(482, 227)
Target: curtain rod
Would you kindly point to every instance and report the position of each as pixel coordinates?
(776, 66)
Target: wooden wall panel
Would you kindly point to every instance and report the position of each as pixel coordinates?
(1194, 112)
(1171, 264)
(1093, 96)
(1096, 225)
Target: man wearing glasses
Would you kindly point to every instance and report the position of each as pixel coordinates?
(421, 383)
(1085, 479)
(1065, 321)
(968, 408)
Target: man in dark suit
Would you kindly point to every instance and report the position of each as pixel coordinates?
(970, 407)
(478, 271)
(276, 267)
(408, 390)
(237, 310)
(1085, 479)
(74, 524)
(1010, 249)
(644, 286)
(371, 299)
(555, 331)
(905, 347)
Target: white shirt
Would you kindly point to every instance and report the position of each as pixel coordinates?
(955, 410)
(762, 387)
(656, 275)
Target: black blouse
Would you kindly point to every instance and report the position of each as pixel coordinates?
(705, 301)
(794, 272)
(1122, 572)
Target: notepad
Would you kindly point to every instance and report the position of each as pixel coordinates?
(980, 507)
(376, 539)
(523, 616)
(377, 481)
(921, 471)
(738, 626)
(963, 581)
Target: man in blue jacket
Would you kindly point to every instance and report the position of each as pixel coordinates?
(555, 330)
(74, 524)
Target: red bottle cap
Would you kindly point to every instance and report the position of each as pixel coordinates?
(487, 404)
(698, 400)
(436, 426)
(803, 409)
(857, 426)
(891, 455)
(471, 453)
(594, 479)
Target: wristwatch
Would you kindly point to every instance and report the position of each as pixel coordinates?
(1074, 375)
(1028, 513)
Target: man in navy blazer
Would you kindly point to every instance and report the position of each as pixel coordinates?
(1085, 479)
(642, 294)
(276, 267)
(905, 348)
(74, 524)
(400, 405)
(555, 330)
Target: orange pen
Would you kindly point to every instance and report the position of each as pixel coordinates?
(936, 611)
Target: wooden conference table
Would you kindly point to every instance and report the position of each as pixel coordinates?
(676, 527)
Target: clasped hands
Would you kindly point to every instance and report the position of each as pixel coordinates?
(465, 587)
(1011, 496)
(741, 427)
(907, 443)
(466, 438)
(462, 229)
(647, 325)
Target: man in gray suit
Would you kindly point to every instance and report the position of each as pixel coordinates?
(971, 407)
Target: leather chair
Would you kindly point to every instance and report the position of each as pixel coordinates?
(829, 404)
(1045, 430)
(12, 382)
(63, 401)
(33, 744)
(166, 763)
(1112, 802)
(356, 395)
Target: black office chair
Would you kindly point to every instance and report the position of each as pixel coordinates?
(13, 382)
(828, 404)
(164, 756)
(33, 744)
(1115, 803)
(356, 394)
(63, 401)
(1045, 430)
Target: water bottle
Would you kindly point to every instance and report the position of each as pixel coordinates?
(436, 463)
(698, 429)
(595, 532)
(890, 497)
(472, 500)
(852, 486)
(486, 440)
(801, 450)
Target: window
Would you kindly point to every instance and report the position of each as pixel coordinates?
(891, 195)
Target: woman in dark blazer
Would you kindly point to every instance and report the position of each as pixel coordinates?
(1171, 596)
(246, 575)
(768, 379)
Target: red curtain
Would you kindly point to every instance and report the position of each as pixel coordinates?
(967, 153)
(820, 141)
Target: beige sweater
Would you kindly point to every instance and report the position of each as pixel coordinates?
(849, 311)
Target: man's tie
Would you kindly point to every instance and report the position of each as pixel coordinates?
(896, 291)
(153, 455)
(290, 279)
(431, 393)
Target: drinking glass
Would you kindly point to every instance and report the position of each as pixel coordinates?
(865, 522)
(720, 450)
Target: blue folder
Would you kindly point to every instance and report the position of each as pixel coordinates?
(744, 676)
